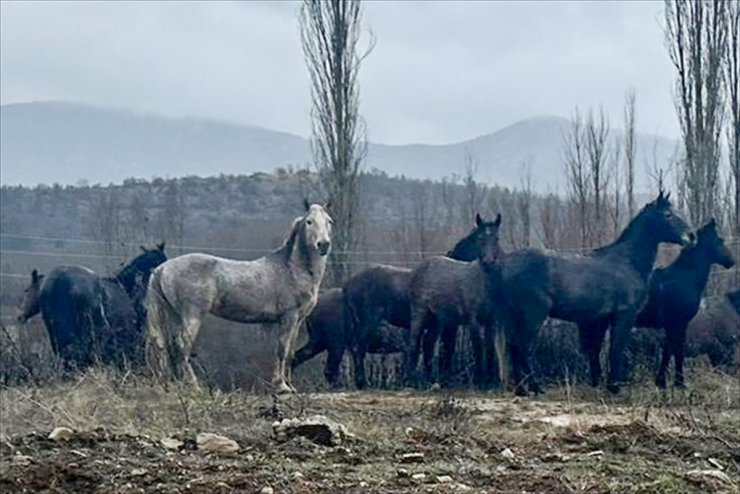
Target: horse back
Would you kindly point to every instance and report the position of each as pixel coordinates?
(382, 290)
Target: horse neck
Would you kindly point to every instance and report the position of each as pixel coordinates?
(464, 250)
(300, 261)
(637, 246)
(127, 278)
(694, 261)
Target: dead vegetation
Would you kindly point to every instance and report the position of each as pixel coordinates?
(571, 439)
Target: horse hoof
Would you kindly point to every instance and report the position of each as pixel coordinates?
(613, 388)
(284, 389)
(661, 383)
(520, 391)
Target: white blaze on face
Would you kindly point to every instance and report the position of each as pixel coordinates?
(318, 227)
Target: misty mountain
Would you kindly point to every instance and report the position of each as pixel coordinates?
(68, 143)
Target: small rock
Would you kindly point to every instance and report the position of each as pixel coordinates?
(403, 473)
(267, 490)
(419, 476)
(171, 443)
(214, 443)
(412, 457)
(363, 484)
(61, 434)
(249, 457)
(138, 472)
(460, 487)
(317, 428)
(711, 476)
(20, 460)
(444, 479)
(508, 454)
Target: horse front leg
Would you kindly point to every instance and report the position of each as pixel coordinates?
(411, 355)
(679, 347)
(447, 353)
(660, 378)
(619, 338)
(288, 332)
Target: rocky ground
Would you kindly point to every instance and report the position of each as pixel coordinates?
(126, 434)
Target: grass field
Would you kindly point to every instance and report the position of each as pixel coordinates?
(567, 440)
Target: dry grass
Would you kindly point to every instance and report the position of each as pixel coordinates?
(571, 439)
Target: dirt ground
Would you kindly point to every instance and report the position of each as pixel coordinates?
(568, 440)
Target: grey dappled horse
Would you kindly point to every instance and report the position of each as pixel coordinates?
(604, 289)
(445, 293)
(280, 288)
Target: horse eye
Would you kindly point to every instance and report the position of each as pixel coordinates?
(308, 222)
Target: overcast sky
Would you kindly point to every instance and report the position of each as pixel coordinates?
(440, 72)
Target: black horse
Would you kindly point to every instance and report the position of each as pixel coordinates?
(604, 289)
(445, 293)
(326, 332)
(376, 295)
(91, 318)
(675, 295)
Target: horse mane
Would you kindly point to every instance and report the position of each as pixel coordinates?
(286, 249)
(628, 231)
(461, 247)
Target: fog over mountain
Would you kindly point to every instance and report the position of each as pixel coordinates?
(69, 143)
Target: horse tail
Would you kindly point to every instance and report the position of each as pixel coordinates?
(162, 324)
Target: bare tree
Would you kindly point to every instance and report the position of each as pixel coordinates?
(330, 32)
(577, 173)
(696, 36)
(597, 142)
(524, 204)
(474, 190)
(733, 96)
(629, 151)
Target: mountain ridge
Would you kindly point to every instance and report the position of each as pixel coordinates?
(68, 143)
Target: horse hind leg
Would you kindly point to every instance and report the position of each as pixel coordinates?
(186, 341)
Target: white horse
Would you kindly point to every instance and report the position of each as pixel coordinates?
(280, 288)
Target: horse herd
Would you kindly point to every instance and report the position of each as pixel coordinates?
(152, 311)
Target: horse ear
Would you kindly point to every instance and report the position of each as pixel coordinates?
(498, 220)
(143, 249)
(328, 204)
(478, 219)
(667, 196)
(306, 204)
(34, 276)
(161, 246)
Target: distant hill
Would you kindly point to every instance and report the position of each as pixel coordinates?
(67, 143)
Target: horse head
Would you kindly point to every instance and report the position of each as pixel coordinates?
(29, 305)
(481, 243)
(664, 224)
(135, 274)
(487, 238)
(713, 245)
(316, 227)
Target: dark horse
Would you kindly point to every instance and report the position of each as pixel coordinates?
(675, 295)
(375, 295)
(325, 327)
(89, 317)
(603, 289)
(445, 293)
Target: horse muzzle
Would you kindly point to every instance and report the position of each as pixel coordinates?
(688, 238)
(324, 248)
